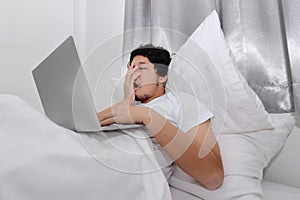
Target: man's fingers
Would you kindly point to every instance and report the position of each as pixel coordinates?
(106, 117)
(134, 76)
(131, 76)
(131, 70)
(107, 121)
(129, 67)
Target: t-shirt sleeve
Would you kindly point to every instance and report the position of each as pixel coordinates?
(189, 111)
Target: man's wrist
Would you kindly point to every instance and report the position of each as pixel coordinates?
(141, 115)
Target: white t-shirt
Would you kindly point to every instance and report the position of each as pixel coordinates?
(181, 109)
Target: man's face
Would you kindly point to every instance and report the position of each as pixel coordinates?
(146, 84)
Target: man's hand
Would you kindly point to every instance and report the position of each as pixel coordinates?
(123, 113)
(130, 77)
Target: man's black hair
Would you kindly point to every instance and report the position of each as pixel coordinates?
(157, 55)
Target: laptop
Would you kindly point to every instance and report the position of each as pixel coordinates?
(65, 93)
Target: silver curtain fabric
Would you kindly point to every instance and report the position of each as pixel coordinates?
(262, 34)
(291, 16)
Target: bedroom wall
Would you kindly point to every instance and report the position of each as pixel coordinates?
(100, 37)
(31, 29)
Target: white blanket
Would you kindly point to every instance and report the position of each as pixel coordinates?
(40, 160)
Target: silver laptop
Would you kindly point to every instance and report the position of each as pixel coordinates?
(65, 94)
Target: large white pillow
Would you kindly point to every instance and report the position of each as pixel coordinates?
(204, 67)
(244, 158)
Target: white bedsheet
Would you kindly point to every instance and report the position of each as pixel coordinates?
(40, 160)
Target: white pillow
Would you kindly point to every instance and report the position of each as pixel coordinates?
(244, 158)
(203, 66)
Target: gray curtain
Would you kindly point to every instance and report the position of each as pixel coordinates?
(262, 34)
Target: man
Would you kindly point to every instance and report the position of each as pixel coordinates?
(178, 122)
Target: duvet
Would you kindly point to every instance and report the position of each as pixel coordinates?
(41, 160)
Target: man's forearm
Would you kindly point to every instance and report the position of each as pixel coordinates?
(184, 148)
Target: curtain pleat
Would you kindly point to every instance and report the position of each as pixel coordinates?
(291, 17)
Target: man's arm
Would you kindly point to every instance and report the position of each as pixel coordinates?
(196, 151)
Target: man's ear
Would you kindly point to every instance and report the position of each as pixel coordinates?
(163, 79)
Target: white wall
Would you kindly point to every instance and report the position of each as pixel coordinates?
(98, 33)
(31, 29)
(104, 21)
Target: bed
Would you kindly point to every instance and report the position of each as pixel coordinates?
(50, 162)
(41, 160)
